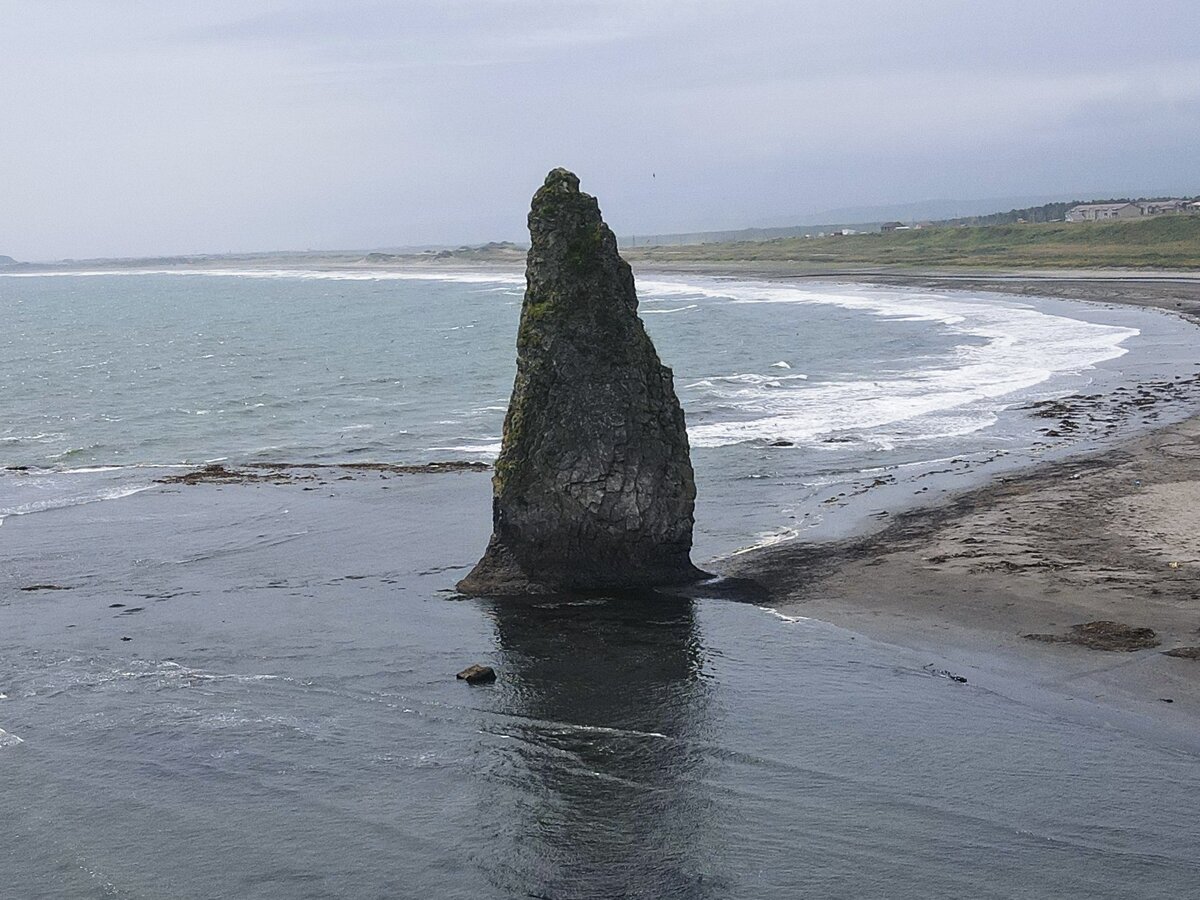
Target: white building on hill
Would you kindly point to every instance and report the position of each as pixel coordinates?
(1162, 207)
(1096, 212)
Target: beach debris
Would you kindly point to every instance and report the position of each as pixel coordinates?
(477, 674)
(284, 473)
(943, 673)
(1052, 409)
(593, 488)
(1183, 652)
(429, 468)
(1173, 565)
(45, 587)
(1103, 635)
(214, 473)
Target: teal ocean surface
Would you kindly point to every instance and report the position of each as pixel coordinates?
(108, 377)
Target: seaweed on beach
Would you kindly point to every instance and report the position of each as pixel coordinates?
(284, 473)
(1183, 652)
(1103, 635)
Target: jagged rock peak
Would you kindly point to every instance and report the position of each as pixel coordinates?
(593, 489)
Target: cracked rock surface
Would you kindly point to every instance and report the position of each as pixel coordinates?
(593, 489)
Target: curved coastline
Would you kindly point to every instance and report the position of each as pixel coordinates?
(304, 621)
(858, 581)
(1104, 534)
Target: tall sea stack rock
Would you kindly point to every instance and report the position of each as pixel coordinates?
(593, 489)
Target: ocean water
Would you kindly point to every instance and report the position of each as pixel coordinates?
(247, 691)
(107, 378)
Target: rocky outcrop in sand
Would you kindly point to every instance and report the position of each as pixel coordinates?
(593, 489)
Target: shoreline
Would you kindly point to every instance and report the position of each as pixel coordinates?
(965, 575)
(1110, 535)
(1131, 287)
(1171, 290)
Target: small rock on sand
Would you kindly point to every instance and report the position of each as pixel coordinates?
(1184, 652)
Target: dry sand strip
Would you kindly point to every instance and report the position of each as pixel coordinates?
(1176, 291)
(1024, 567)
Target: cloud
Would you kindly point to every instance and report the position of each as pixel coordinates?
(138, 127)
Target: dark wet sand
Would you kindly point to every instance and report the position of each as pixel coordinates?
(1111, 537)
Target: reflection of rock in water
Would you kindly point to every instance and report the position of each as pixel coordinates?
(599, 787)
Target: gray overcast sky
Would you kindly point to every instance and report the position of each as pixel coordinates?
(131, 128)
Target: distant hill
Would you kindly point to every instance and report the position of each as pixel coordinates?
(869, 218)
(1047, 212)
(1171, 242)
(742, 234)
(927, 210)
(7, 261)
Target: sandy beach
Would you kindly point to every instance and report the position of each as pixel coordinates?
(999, 580)
(1168, 289)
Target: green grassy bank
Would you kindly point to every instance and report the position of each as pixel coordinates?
(1169, 242)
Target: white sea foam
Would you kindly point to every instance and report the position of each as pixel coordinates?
(492, 450)
(93, 470)
(768, 539)
(9, 740)
(63, 498)
(461, 277)
(172, 673)
(791, 620)
(754, 378)
(40, 438)
(652, 312)
(1023, 347)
